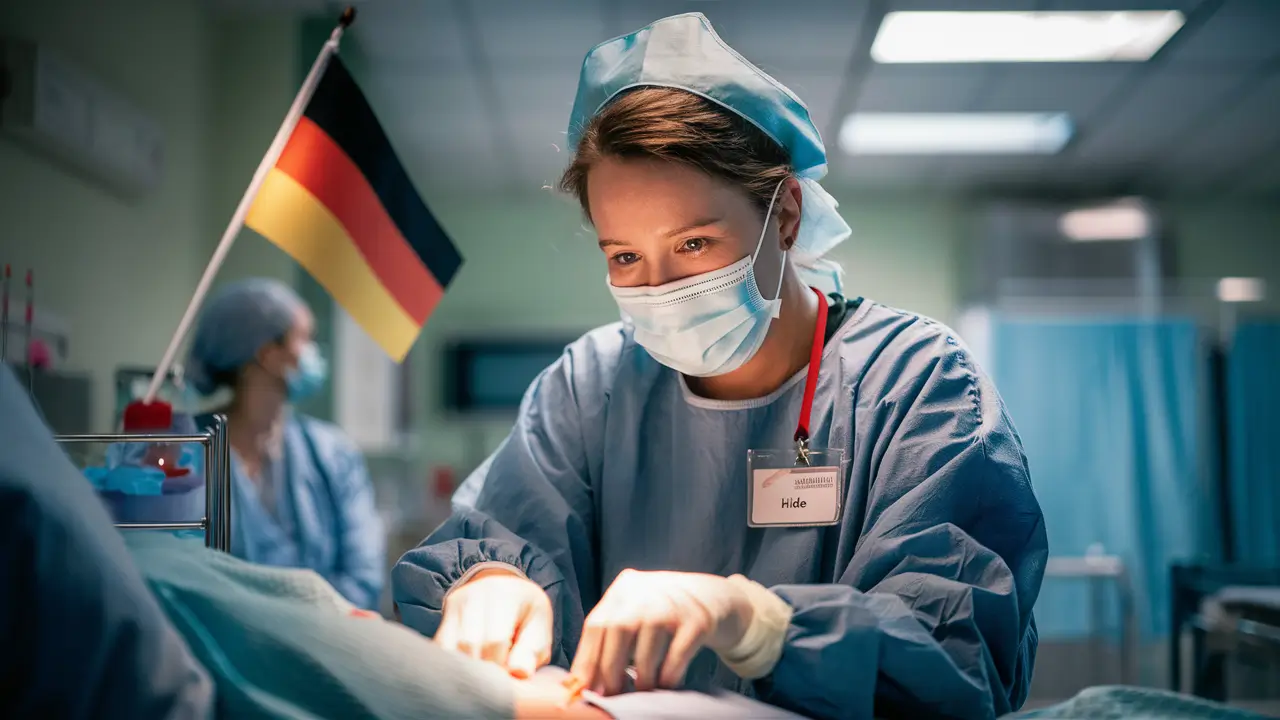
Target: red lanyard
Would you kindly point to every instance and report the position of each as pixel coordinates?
(815, 363)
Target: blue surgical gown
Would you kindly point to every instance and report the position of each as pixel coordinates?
(917, 603)
(324, 514)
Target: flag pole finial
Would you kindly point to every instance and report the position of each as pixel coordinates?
(348, 17)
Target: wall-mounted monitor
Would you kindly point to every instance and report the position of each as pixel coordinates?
(491, 376)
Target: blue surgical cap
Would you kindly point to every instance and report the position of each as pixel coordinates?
(234, 325)
(685, 53)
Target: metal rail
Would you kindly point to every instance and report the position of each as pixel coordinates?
(216, 522)
(1096, 569)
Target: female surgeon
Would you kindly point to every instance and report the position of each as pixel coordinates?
(301, 493)
(747, 484)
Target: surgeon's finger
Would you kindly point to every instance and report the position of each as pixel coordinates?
(532, 647)
(651, 647)
(586, 661)
(447, 634)
(501, 619)
(615, 655)
(685, 643)
(472, 619)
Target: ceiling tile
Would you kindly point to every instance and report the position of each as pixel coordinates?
(920, 88)
(420, 80)
(862, 172)
(775, 36)
(1185, 6)
(967, 5)
(536, 104)
(434, 109)
(631, 15)
(545, 88)
(1234, 139)
(423, 35)
(998, 169)
(1075, 89)
(1241, 32)
(1157, 113)
(525, 30)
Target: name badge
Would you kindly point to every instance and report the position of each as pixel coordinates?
(784, 494)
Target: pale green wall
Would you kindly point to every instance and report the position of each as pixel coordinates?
(1227, 239)
(120, 272)
(117, 271)
(256, 79)
(903, 252)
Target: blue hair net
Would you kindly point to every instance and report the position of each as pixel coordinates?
(685, 53)
(236, 323)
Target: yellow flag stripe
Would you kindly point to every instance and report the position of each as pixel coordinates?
(285, 213)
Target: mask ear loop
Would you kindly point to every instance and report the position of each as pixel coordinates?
(782, 269)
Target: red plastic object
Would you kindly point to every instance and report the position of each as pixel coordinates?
(39, 356)
(148, 417)
(166, 456)
(442, 481)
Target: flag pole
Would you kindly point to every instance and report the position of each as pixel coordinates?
(242, 210)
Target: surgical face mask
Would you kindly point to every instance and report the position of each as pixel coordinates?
(709, 324)
(309, 376)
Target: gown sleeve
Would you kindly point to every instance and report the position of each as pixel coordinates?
(530, 505)
(942, 553)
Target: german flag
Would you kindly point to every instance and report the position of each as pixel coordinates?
(339, 202)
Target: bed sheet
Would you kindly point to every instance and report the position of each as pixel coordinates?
(282, 643)
(1132, 703)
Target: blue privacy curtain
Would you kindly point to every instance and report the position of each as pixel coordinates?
(1114, 417)
(1253, 426)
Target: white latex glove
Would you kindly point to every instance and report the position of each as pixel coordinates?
(657, 622)
(500, 616)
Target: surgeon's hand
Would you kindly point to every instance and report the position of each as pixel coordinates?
(657, 622)
(501, 617)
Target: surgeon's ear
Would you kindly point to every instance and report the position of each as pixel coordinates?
(789, 204)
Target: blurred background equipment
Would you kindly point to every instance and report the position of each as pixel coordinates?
(131, 384)
(490, 377)
(191, 493)
(37, 344)
(63, 111)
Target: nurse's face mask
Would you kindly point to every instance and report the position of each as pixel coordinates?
(299, 366)
(709, 324)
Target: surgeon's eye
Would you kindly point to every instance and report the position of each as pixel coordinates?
(625, 258)
(694, 245)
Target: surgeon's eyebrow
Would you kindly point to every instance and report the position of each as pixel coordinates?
(695, 225)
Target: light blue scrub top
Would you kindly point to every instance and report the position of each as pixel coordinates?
(918, 603)
(325, 517)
